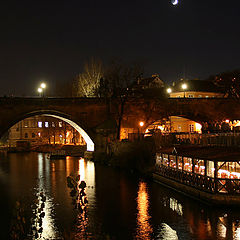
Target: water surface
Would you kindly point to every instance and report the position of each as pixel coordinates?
(121, 205)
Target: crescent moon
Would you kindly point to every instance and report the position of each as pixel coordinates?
(175, 2)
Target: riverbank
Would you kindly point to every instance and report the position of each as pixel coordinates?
(70, 150)
(133, 156)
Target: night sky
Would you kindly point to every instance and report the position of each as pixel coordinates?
(50, 40)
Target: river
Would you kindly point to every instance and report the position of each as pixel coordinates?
(121, 205)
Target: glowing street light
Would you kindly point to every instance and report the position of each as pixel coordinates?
(141, 124)
(40, 91)
(184, 87)
(43, 85)
(169, 90)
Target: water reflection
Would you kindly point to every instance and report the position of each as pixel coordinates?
(120, 206)
(173, 204)
(222, 230)
(49, 229)
(166, 233)
(144, 228)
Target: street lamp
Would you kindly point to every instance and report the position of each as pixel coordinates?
(40, 91)
(43, 86)
(141, 124)
(184, 87)
(169, 90)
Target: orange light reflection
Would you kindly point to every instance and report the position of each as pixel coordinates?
(144, 228)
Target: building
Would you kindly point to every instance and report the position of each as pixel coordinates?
(150, 86)
(195, 89)
(174, 124)
(39, 130)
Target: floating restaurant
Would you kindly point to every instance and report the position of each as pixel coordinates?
(209, 174)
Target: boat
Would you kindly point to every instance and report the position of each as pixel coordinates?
(58, 154)
(211, 175)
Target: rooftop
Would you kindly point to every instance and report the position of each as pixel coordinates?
(196, 86)
(205, 153)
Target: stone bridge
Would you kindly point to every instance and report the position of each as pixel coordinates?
(88, 115)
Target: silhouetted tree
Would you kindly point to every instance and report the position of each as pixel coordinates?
(118, 79)
(229, 82)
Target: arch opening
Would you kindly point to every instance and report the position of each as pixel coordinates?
(57, 115)
(88, 140)
(174, 124)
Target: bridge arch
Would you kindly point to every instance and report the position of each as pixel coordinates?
(174, 123)
(64, 117)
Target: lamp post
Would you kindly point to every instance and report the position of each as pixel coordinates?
(184, 87)
(40, 91)
(43, 86)
(141, 124)
(169, 90)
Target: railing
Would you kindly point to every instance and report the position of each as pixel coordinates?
(201, 182)
(230, 186)
(198, 181)
(212, 139)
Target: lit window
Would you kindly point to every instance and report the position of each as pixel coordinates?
(60, 124)
(53, 124)
(46, 124)
(206, 96)
(199, 96)
(39, 124)
(179, 128)
(191, 128)
(25, 123)
(39, 134)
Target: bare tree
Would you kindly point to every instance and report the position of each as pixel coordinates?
(86, 83)
(120, 78)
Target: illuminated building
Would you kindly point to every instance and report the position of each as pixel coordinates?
(195, 89)
(44, 130)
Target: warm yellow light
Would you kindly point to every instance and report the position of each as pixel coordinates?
(184, 86)
(227, 121)
(39, 90)
(43, 85)
(161, 128)
(141, 124)
(169, 90)
(198, 127)
(88, 140)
